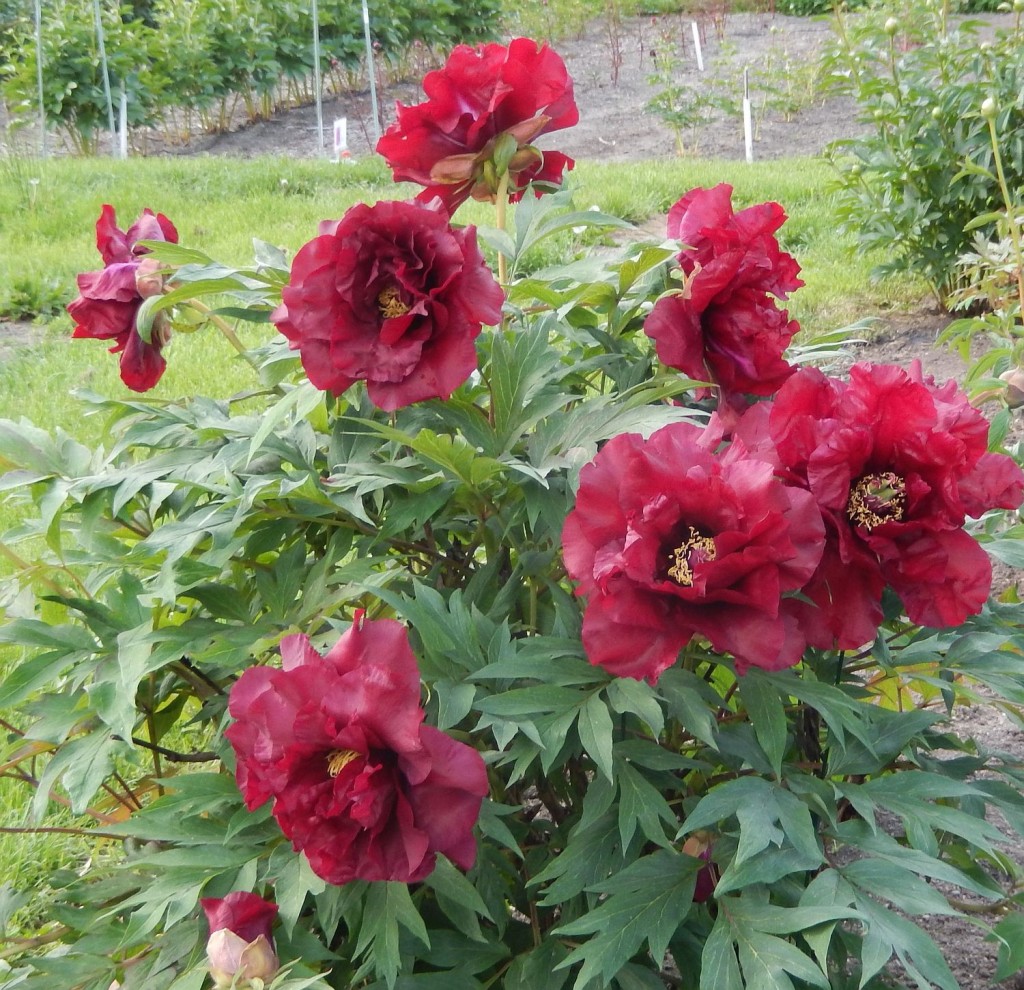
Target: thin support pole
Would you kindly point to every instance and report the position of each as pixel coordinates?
(106, 76)
(39, 77)
(372, 72)
(317, 81)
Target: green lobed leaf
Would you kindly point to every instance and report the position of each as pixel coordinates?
(388, 905)
(1009, 933)
(720, 969)
(638, 698)
(646, 902)
(765, 707)
(458, 898)
(595, 728)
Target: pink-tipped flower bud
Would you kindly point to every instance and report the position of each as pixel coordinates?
(235, 962)
(149, 280)
(240, 947)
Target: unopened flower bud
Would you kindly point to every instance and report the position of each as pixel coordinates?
(1014, 379)
(1018, 5)
(148, 279)
(988, 107)
(892, 26)
(231, 958)
(239, 950)
(161, 333)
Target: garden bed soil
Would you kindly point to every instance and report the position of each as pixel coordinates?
(611, 65)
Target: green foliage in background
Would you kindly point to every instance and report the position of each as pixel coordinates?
(913, 185)
(178, 58)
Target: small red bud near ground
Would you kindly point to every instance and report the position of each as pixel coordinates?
(699, 845)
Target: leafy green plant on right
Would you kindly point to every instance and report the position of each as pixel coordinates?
(920, 81)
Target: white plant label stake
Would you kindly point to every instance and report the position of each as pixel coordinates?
(341, 152)
(748, 133)
(696, 45)
(122, 124)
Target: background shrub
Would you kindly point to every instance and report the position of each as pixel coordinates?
(920, 83)
(205, 57)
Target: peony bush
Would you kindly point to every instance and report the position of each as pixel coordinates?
(528, 630)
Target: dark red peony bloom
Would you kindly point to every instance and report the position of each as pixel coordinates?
(391, 295)
(669, 539)
(724, 326)
(240, 946)
(480, 94)
(110, 299)
(896, 464)
(359, 784)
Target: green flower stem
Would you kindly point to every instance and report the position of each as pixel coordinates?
(501, 222)
(225, 328)
(1011, 211)
(25, 567)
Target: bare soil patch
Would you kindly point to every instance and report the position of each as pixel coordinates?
(612, 65)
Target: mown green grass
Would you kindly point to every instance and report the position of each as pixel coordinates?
(219, 205)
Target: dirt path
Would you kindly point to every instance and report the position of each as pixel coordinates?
(617, 69)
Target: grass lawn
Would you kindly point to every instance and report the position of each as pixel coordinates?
(219, 205)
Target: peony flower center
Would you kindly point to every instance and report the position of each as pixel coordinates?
(338, 759)
(695, 549)
(876, 499)
(390, 304)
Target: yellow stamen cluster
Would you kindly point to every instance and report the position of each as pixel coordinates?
(877, 498)
(680, 571)
(390, 304)
(339, 759)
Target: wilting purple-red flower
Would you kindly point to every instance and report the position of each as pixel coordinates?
(240, 944)
(896, 463)
(669, 539)
(359, 784)
(724, 326)
(445, 144)
(109, 300)
(392, 295)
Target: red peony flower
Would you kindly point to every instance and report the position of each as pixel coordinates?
(240, 946)
(359, 784)
(110, 299)
(896, 464)
(668, 540)
(723, 326)
(391, 295)
(480, 94)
